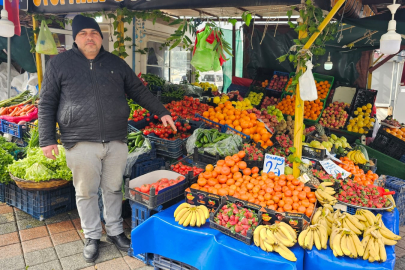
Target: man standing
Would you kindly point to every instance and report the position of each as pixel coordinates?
(84, 91)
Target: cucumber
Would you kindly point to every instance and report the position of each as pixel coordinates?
(137, 140)
(140, 142)
(148, 145)
(198, 144)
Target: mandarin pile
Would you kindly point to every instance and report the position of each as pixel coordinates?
(359, 175)
(241, 120)
(312, 109)
(397, 132)
(232, 177)
(323, 88)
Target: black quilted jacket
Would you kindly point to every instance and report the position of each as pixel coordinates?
(88, 98)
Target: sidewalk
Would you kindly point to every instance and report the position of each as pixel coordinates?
(56, 243)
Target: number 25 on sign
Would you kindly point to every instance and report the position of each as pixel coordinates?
(274, 164)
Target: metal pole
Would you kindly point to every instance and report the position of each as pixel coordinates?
(133, 42)
(37, 56)
(9, 67)
(233, 50)
(299, 103)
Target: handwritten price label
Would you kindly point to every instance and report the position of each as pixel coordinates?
(274, 164)
(333, 169)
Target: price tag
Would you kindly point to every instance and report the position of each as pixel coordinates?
(333, 157)
(333, 169)
(304, 178)
(274, 164)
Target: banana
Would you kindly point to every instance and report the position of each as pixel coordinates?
(181, 206)
(337, 244)
(256, 235)
(181, 213)
(289, 228)
(198, 219)
(193, 219)
(351, 246)
(309, 240)
(389, 242)
(365, 241)
(271, 239)
(369, 230)
(370, 216)
(263, 234)
(351, 226)
(332, 237)
(205, 209)
(328, 206)
(302, 236)
(261, 244)
(326, 184)
(383, 252)
(268, 247)
(360, 217)
(317, 239)
(388, 234)
(287, 234)
(324, 236)
(201, 213)
(285, 252)
(280, 237)
(366, 254)
(357, 244)
(377, 250)
(355, 222)
(316, 216)
(343, 245)
(330, 191)
(184, 217)
(325, 195)
(188, 219)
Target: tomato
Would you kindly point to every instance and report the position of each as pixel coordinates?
(145, 188)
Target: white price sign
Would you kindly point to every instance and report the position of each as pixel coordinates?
(274, 164)
(333, 169)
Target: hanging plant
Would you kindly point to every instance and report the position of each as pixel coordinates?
(310, 19)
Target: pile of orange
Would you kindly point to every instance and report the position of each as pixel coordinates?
(323, 89)
(312, 109)
(397, 132)
(232, 177)
(359, 175)
(240, 120)
(265, 83)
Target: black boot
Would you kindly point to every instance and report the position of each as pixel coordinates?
(90, 251)
(120, 241)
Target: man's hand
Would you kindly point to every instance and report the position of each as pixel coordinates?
(167, 119)
(48, 151)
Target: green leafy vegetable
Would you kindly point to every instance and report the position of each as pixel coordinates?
(5, 160)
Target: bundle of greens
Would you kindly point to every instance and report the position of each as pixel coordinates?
(36, 167)
(8, 146)
(5, 160)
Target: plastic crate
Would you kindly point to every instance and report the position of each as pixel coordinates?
(205, 158)
(361, 98)
(3, 192)
(245, 239)
(188, 161)
(42, 204)
(315, 153)
(388, 144)
(13, 129)
(169, 196)
(278, 73)
(257, 89)
(164, 263)
(320, 77)
(211, 124)
(147, 166)
(397, 185)
(402, 159)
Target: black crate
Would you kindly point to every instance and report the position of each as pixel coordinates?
(205, 158)
(361, 98)
(319, 154)
(279, 73)
(3, 188)
(245, 239)
(257, 89)
(152, 200)
(188, 161)
(388, 144)
(42, 204)
(164, 263)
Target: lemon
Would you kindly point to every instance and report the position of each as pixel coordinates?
(366, 121)
(369, 106)
(368, 111)
(361, 113)
(360, 124)
(359, 109)
(364, 108)
(372, 120)
(356, 113)
(361, 130)
(217, 100)
(355, 129)
(349, 128)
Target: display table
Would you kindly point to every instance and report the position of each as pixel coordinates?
(324, 259)
(206, 248)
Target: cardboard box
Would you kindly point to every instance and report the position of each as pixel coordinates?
(198, 197)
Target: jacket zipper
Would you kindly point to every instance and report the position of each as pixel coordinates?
(99, 107)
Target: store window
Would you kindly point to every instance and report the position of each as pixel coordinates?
(171, 65)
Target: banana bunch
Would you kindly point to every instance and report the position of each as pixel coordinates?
(187, 214)
(344, 242)
(357, 157)
(380, 231)
(314, 235)
(277, 237)
(374, 248)
(324, 194)
(350, 222)
(366, 217)
(324, 217)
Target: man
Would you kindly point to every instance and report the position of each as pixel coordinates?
(84, 90)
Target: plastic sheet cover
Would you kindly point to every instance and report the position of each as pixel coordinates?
(204, 248)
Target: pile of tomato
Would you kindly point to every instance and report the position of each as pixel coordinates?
(187, 108)
(184, 169)
(159, 185)
(183, 131)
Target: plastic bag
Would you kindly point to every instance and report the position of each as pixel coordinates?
(205, 58)
(133, 157)
(190, 144)
(308, 90)
(16, 119)
(46, 43)
(227, 147)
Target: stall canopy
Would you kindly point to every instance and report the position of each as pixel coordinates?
(65, 6)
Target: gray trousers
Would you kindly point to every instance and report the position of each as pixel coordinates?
(97, 165)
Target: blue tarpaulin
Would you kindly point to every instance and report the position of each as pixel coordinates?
(207, 249)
